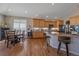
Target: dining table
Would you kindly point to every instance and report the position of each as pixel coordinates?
(17, 37)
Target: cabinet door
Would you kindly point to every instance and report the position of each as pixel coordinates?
(74, 20)
(59, 22)
(46, 24)
(36, 23)
(53, 23)
(77, 20)
(41, 23)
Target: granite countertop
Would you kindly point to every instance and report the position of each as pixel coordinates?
(62, 34)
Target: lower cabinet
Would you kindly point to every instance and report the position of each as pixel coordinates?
(37, 35)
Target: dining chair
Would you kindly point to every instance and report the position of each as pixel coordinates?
(21, 36)
(10, 38)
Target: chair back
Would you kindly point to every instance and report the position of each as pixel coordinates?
(10, 34)
(23, 34)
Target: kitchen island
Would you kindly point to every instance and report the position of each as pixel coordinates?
(73, 46)
(38, 35)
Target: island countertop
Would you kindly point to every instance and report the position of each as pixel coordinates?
(73, 46)
(64, 34)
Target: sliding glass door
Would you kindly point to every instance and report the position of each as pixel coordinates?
(19, 25)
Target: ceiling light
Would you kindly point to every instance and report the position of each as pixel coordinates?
(52, 4)
(36, 15)
(25, 11)
(46, 16)
(9, 9)
(55, 17)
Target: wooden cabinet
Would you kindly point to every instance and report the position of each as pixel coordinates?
(36, 22)
(59, 22)
(38, 35)
(54, 23)
(74, 20)
(46, 24)
(41, 23)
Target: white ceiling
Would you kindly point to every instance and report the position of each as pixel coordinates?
(40, 9)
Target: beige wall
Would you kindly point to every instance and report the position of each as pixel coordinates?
(29, 22)
(1, 20)
(10, 19)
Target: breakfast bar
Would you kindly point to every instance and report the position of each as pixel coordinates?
(73, 46)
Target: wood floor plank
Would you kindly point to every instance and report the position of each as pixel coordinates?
(31, 47)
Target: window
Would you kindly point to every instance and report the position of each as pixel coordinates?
(22, 26)
(19, 24)
(16, 25)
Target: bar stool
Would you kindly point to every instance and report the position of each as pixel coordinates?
(47, 39)
(66, 40)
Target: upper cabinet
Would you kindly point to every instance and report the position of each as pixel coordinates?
(74, 20)
(50, 22)
(46, 23)
(35, 22)
(38, 23)
(59, 22)
(42, 23)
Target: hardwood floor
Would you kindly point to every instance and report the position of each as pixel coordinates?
(31, 47)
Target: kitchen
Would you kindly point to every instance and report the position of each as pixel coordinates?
(53, 25)
(55, 31)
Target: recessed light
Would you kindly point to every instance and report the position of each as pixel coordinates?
(25, 11)
(55, 17)
(52, 4)
(36, 15)
(9, 9)
(46, 16)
